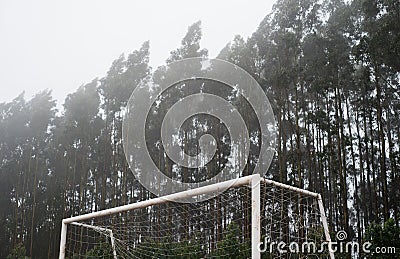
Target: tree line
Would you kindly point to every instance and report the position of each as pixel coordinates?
(331, 70)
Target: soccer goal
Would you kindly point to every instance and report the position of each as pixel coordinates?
(250, 215)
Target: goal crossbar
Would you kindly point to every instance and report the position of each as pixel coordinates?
(252, 181)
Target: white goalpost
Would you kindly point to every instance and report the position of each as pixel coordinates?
(251, 211)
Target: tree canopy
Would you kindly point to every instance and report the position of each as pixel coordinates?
(331, 70)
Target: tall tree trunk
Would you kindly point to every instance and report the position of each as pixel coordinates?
(381, 132)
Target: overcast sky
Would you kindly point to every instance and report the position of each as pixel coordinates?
(61, 45)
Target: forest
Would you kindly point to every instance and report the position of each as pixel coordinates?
(331, 70)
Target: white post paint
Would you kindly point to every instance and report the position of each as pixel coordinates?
(255, 216)
(63, 240)
(289, 187)
(325, 225)
(113, 244)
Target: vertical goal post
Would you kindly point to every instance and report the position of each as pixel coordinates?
(258, 214)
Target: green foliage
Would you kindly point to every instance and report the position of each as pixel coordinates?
(186, 249)
(190, 45)
(19, 252)
(386, 236)
(103, 250)
(232, 246)
(316, 60)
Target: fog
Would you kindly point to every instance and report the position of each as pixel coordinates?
(62, 45)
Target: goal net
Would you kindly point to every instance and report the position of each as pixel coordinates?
(243, 222)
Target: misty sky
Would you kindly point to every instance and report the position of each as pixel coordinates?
(61, 45)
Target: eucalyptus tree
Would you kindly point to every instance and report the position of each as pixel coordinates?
(377, 52)
(116, 87)
(81, 127)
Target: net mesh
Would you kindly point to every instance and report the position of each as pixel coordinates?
(291, 225)
(216, 228)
